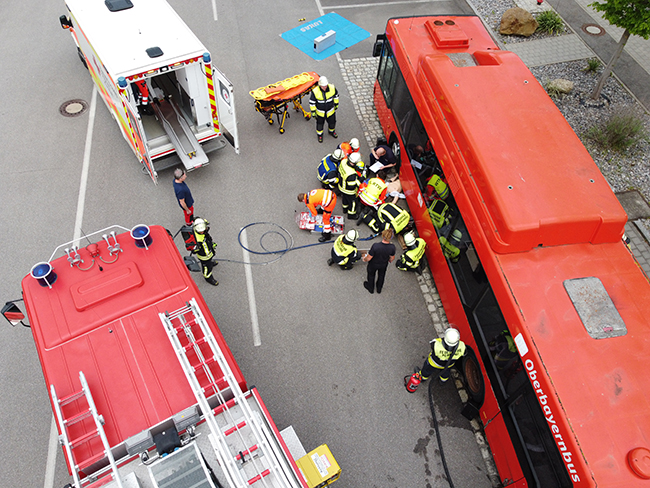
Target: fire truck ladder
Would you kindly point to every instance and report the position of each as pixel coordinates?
(69, 444)
(239, 436)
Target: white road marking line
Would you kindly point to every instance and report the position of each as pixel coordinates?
(257, 341)
(214, 10)
(53, 445)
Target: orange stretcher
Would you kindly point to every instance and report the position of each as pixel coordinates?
(275, 98)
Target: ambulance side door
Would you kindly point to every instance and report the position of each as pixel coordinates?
(226, 108)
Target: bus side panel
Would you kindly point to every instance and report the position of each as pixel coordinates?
(503, 452)
(103, 81)
(437, 262)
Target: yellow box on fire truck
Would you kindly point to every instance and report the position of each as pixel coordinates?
(156, 78)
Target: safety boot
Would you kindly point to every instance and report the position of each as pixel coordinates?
(325, 237)
(334, 134)
(320, 137)
(330, 262)
(212, 281)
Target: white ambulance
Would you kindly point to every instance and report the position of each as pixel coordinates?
(157, 80)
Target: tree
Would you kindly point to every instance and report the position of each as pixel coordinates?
(631, 15)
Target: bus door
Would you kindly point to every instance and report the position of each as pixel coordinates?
(226, 108)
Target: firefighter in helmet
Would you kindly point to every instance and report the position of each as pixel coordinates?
(323, 101)
(344, 252)
(351, 173)
(205, 248)
(410, 259)
(388, 215)
(450, 245)
(328, 169)
(349, 147)
(445, 351)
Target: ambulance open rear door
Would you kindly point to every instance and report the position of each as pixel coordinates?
(139, 141)
(226, 108)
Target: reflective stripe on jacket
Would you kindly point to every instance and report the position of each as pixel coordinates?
(324, 104)
(205, 246)
(320, 198)
(397, 217)
(343, 251)
(328, 170)
(440, 355)
(349, 179)
(412, 257)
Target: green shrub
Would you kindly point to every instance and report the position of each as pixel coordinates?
(592, 65)
(549, 21)
(620, 132)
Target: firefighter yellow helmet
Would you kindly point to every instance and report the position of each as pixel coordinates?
(409, 239)
(322, 82)
(452, 337)
(200, 225)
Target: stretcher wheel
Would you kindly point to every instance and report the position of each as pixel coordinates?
(270, 121)
(307, 116)
(281, 130)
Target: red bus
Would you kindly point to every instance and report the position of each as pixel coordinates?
(143, 386)
(527, 254)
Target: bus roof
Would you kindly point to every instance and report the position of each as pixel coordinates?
(540, 190)
(104, 322)
(121, 38)
(598, 373)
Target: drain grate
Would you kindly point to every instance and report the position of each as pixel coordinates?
(73, 108)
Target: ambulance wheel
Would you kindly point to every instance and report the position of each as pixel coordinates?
(394, 144)
(82, 58)
(474, 382)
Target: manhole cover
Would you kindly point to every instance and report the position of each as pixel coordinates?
(73, 108)
(593, 29)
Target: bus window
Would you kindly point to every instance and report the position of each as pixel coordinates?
(539, 446)
(387, 74)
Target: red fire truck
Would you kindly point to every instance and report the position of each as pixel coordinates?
(524, 241)
(137, 370)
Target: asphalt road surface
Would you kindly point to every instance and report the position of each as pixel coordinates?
(332, 357)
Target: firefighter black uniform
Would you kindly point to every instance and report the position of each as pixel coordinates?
(444, 353)
(344, 252)
(410, 260)
(204, 249)
(351, 172)
(323, 102)
(388, 215)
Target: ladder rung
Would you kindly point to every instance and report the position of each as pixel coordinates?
(247, 452)
(100, 482)
(191, 345)
(207, 362)
(91, 460)
(78, 417)
(235, 428)
(255, 479)
(224, 406)
(71, 397)
(84, 438)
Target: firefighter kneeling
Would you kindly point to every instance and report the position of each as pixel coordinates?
(204, 249)
(344, 252)
(444, 354)
(388, 215)
(410, 260)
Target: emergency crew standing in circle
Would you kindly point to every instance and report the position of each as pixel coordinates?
(380, 255)
(323, 101)
(184, 195)
(204, 249)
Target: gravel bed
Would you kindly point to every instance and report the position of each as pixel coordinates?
(629, 170)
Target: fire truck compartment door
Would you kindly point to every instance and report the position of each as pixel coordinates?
(140, 142)
(226, 108)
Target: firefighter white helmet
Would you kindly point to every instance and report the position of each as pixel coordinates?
(338, 154)
(354, 143)
(452, 337)
(200, 225)
(455, 237)
(409, 239)
(352, 235)
(354, 158)
(322, 82)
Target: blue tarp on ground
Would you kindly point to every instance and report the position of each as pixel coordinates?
(347, 34)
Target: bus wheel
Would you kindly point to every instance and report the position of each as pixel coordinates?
(474, 381)
(394, 144)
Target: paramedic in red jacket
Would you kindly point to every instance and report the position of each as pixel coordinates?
(324, 200)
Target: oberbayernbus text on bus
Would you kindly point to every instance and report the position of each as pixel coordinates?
(528, 255)
(144, 389)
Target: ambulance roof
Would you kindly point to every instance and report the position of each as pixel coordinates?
(121, 39)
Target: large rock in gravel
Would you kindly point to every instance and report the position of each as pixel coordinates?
(560, 85)
(518, 22)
